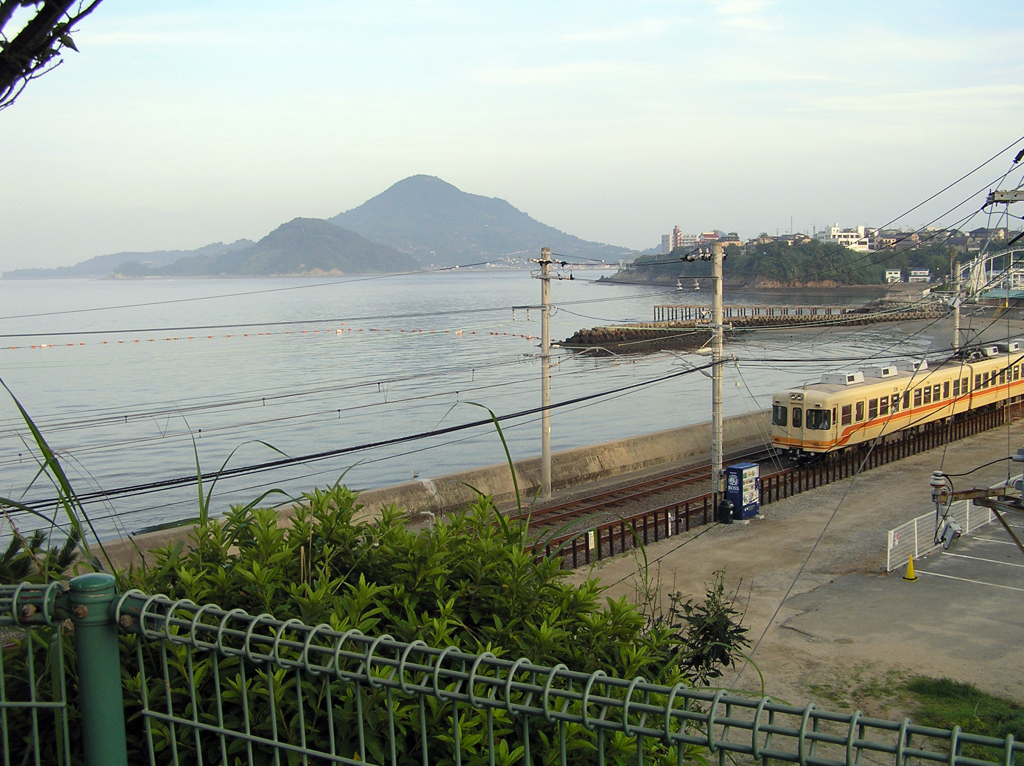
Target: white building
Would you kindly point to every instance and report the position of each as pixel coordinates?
(859, 239)
(666, 244)
(892, 276)
(920, 275)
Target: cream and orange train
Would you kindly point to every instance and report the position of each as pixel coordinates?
(850, 408)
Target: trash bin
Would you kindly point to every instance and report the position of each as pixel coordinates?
(743, 489)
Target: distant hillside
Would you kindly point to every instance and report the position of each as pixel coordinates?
(102, 265)
(302, 246)
(444, 226)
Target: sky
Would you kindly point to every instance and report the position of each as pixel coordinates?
(185, 122)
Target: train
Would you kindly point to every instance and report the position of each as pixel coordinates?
(850, 408)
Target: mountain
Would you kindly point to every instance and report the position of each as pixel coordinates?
(444, 226)
(302, 246)
(102, 265)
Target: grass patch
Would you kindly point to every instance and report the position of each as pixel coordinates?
(945, 703)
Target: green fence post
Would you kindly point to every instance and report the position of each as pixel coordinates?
(99, 670)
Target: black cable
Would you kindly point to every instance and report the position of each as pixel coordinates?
(968, 473)
(146, 488)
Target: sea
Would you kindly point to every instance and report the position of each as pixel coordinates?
(293, 383)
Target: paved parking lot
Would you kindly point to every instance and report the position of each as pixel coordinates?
(810, 578)
(986, 559)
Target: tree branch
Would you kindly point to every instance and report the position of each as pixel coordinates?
(36, 49)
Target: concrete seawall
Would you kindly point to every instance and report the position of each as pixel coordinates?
(570, 468)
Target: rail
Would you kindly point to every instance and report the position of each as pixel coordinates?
(583, 548)
(201, 684)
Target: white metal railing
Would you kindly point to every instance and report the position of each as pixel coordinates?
(917, 537)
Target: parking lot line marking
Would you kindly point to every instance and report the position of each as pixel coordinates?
(964, 579)
(990, 540)
(979, 558)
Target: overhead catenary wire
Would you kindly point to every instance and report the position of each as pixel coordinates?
(145, 488)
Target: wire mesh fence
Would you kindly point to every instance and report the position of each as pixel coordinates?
(200, 684)
(918, 536)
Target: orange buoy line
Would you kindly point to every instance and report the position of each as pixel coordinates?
(296, 333)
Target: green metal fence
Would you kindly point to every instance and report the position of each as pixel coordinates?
(164, 681)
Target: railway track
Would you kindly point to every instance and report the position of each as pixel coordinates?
(619, 498)
(595, 537)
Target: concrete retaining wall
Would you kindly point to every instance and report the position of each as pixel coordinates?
(570, 468)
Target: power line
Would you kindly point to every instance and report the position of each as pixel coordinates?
(156, 486)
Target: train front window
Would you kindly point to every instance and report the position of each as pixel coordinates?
(847, 414)
(798, 417)
(860, 411)
(780, 415)
(819, 420)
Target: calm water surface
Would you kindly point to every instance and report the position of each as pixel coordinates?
(134, 393)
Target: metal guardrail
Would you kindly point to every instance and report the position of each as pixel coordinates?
(209, 685)
(917, 537)
(582, 548)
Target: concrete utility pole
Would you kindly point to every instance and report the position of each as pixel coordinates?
(954, 278)
(545, 373)
(717, 256)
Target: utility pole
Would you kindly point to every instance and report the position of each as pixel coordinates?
(545, 373)
(717, 256)
(954, 278)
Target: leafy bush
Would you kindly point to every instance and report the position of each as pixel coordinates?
(467, 581)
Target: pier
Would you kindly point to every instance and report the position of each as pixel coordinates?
(682, 313)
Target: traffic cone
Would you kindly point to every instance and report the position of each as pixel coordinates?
(910, 571)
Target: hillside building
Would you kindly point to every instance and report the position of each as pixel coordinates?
(860, 239)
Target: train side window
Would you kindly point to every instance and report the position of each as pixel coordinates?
(798, 418)
(965, 385)
(895, 402)
(883, 405)
(847, 414)
(927, 395)
(936, 393)
(872, 409)
(819, 420)
(1002, 376)
(956, 388)
(917, 397)
(780, 415)
(945, 390)
(977, 382)
(1016, 372)
(906, 400)
(860, 410)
